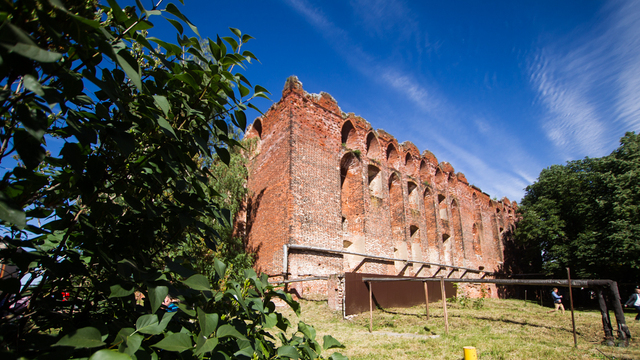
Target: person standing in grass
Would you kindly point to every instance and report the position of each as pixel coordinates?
(557, 300)
(634, 300)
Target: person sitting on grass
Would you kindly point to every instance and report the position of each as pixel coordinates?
(634, 300)
(557, 300)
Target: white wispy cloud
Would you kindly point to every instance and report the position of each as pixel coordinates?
(590, 83)
(446, 132)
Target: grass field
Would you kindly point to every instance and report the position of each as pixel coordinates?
(500, 329)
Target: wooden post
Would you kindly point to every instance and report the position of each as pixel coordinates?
(525, 297)
(426, 297)
(606, 320)
(573, 320)
(370, 307)
(444, 305)
(623, 331)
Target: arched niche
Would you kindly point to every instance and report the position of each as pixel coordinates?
(349, 135)
(396, 207)
(424, 171)
(374, 177)
(352, 207)
(392, 156)
(458, 246)
(478, 228)
(413, 195)
(409, 163)
(432, 243)
(256, 129)
(373, 146)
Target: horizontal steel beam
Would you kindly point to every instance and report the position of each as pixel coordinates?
(543, 282)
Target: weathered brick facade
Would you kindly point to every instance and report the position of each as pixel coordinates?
(326, 179)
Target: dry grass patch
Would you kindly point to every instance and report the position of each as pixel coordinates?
(501, 329)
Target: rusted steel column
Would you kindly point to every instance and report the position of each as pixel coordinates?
(444, 306)
(426, 297)
(606, 321)
(573, 319)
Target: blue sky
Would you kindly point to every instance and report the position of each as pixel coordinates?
(500, 89)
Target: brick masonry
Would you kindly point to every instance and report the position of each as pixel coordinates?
(323, 178)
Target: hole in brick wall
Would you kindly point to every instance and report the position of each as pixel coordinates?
(375, 181)
(348, 134)
(373, 147)
(424, 171)
(392, 155)
(257, 127)
(477, 239)
(396, 208)
(413, 230)
(442, 207)
(414, 196)
(445, 237)
(439, 175)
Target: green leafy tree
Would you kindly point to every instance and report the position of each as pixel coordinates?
(109, 126)
(585, 215)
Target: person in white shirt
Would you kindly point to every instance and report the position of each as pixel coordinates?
(634, 300)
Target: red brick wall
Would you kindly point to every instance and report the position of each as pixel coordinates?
(326, 179)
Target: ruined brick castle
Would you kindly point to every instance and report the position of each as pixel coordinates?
(329, 195)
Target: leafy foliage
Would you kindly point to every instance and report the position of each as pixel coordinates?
(89, 231)
(586, 215)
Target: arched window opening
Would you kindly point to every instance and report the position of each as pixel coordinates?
(396, 208)
(413, 231)
(408, 163)
(439, 176)
(373, 147)
(257, 128)
(424, 171)
(458, 248)
(414, 196)
(392, 156)
(476, 240)
(445, 237)
(375, 181)
(442, 206)
(352, 206)
(348, 135)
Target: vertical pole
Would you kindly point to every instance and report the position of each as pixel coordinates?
(370, 307)
(573, 320)
(426, 297)
(444, 305)
(623, 331)
(606, 320)
(525, 297)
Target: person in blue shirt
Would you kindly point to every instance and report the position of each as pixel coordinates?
(557, 300)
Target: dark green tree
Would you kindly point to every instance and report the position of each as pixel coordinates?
(584, 215)
(110, 128)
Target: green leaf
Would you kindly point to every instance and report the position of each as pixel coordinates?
(232, 42)
(105, 354)
(223, 154)
(87, 337)
(128, 341)
(208, 323)
(205, 345)
(33, 52)
(148, 324)
(288, 351)
(307, 330)
(130, 67)
(329, 342)
(119, 291)
(220, 267)
(31, 83)
(198, 282)
(175, 342)
(270, 321)
(162, 103)
(11, 215)
(177, 25)
(338, 356)
(236, 32)
(118, 14)
(173, 10)
(244, 91)
(229, 331)
(157, 294)
(166, 127)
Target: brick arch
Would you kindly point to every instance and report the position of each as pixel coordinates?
(431, 243)
(439, 176)
(373, 146)
(348, 133)
(256, 129)
(413, 194)
(409, 163)
(392, 156)
(478, 228)
(352, 206)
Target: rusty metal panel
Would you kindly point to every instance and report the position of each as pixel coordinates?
(388, 294)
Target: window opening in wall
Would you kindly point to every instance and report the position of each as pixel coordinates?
(257, 126)
(413, 230)
(414, 196)
(442, 206)
(445, 237)
(348, 134)
(439, 175)
(424, 171)
(373, 148)
(375, 181)
(392, 155)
